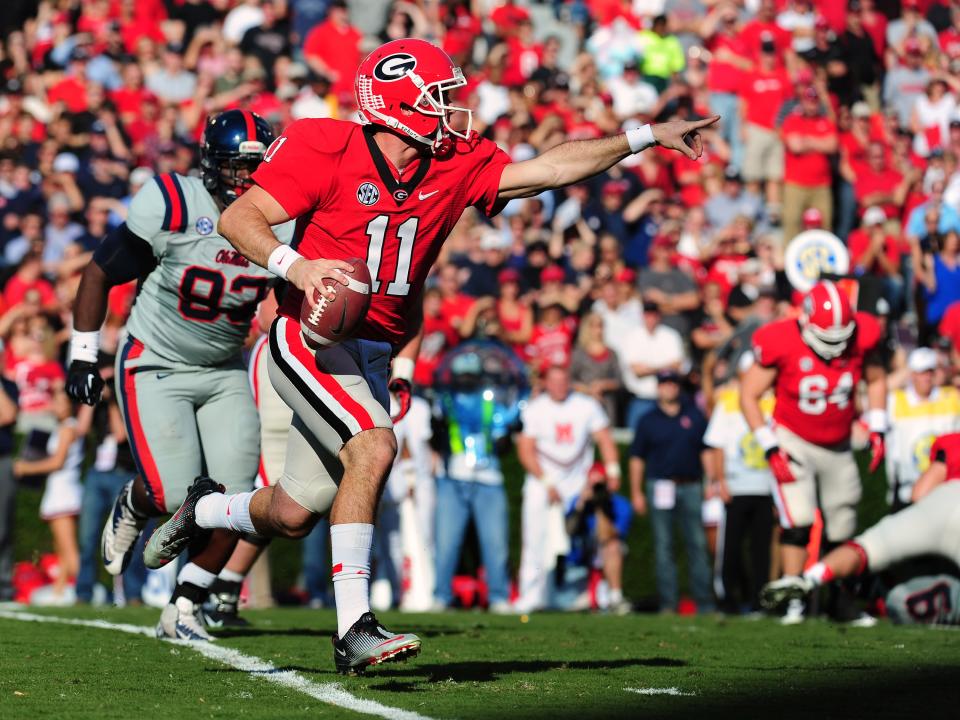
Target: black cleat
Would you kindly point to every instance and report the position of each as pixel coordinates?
(221, 608)
(176, 534)
(369, 643)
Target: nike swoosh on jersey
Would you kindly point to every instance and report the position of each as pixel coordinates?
(424, 196)
(343, 319)
(161, 376)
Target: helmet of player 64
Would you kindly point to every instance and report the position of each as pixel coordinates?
(403, 85)
(233, 142)
(827, 322)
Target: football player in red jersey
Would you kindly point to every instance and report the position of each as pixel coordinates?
(815, 364)
(930, 526)
(389, 190)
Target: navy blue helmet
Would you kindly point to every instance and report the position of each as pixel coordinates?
(234, 143)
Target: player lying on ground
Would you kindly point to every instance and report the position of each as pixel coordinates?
(815, 364)
(931, 526)
(389, 191)
(181, 382)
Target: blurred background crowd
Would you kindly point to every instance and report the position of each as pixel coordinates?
(840, 117)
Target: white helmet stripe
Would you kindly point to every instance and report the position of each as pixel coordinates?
(834, 302)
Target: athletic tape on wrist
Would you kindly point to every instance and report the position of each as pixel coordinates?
(84, 346)
(765, 437)
(280, 260)
(640, 138)
(876, 420)
(402, 369)
(612, 469)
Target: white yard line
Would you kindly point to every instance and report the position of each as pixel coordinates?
(677, 692)
(332, 693)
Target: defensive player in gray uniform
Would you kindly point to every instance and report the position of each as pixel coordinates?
(181, 381)
(930, 526)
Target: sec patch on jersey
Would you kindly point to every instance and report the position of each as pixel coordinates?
(330, 322)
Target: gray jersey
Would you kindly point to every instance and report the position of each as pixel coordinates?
(196, 306)
(930, 599)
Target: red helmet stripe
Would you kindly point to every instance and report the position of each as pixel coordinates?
(251, 127)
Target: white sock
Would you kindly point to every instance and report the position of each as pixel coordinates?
(350, 545)
(818, 574)
(616, 596)
(230, 512)
(195, 575)
(231, 576)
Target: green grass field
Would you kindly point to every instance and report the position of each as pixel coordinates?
(477, 666)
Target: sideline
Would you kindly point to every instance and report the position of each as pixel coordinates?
(675, 692)
(331, 693)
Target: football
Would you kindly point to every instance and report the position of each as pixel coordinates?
(331, 322)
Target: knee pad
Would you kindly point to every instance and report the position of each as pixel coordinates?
(796, 537)
(258, 540)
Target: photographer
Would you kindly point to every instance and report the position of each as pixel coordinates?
(597, 523)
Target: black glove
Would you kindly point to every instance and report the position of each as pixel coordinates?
(403, 392)
(84, 382)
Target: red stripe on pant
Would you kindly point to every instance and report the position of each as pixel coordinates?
(783, 504)
(151, 475)
(176, 211)
(306, 358)
(255, 379)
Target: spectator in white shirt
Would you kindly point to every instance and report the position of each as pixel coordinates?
(644, 351)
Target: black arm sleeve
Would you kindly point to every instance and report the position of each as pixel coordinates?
(124, 256)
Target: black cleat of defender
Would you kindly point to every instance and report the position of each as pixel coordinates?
(173, 537)
(221, 610)
(369, 643)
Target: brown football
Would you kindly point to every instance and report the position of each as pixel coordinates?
(331, 322)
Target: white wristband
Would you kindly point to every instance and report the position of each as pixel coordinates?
(84, 345)
(612, 469)
(876, 420)
(640, 138)
(765, 437)
(547, 481)
(280, 260)
(402, 369)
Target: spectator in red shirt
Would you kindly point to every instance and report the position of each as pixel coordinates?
(764, 25)
(130, 97)
(438, 337)
(454, 304)
(72, 89)
(875, 252)
(729, 63)
(514, 315)
(551, 342)
(332, 48)
(761, 96)
(28, 284)
(878, 185)
(523, 55)
(809, 138)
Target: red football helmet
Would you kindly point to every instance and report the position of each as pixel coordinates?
(403, 85)
(827, 322)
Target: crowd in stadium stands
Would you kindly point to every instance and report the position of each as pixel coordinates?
(842, 116)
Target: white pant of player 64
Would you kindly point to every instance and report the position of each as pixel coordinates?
(830, 472)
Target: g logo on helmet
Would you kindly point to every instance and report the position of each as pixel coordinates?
(394, 67)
